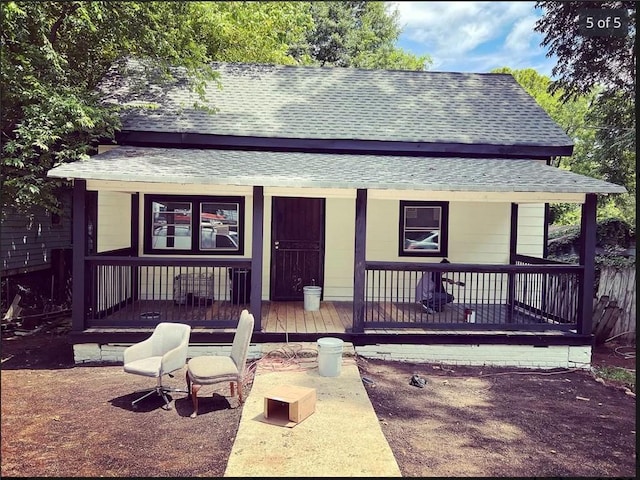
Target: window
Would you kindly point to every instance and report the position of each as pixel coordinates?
(423, 229)
(201, 225)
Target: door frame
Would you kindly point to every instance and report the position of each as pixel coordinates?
(322, 240)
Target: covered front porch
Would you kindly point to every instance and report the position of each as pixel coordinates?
(534, 301)
(122, 294)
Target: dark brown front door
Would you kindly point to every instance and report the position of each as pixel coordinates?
(297, 246)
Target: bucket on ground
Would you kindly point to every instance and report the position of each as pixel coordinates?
(312, 298)
(329, 356)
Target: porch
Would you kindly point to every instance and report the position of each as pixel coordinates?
(532, 302)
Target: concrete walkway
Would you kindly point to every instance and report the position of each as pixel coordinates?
(342, 438)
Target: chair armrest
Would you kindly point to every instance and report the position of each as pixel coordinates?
(175, 358)
(138, 351)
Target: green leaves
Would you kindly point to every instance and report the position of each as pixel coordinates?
(53, 54)
(355, 34)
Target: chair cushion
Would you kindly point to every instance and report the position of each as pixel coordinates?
(149, 367)
(211, 369)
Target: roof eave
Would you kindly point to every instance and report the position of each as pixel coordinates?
(197, 140)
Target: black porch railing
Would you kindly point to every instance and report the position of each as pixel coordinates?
(143, 291)
(534, 294)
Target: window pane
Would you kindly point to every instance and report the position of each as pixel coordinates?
(219, 226)
(172, 225)
(422, 240)
(422, 218)
(422, 228)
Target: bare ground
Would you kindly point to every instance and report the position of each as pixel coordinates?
(64, 420)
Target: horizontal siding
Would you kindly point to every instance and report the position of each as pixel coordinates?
(26, 241)
(114, 221)
(478, 232)
(531, 230)
(339, 245)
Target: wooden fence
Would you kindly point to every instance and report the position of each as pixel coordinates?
(620, 286)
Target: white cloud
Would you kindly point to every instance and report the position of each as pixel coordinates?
(522, 37)
(473, 36)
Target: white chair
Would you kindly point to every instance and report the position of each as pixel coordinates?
(165, 351)
(210, 369)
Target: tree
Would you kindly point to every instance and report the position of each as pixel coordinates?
(355, 34)
(253, 32)
(53, 54)
(585, 62)
(602, 66)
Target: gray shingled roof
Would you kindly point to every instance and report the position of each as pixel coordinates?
(322, 170)
(342, 103)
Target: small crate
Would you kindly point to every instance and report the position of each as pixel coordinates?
(288, 405)
(193, 288)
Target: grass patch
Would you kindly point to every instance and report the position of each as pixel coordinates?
(618, 375)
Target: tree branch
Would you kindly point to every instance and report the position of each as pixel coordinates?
(68, 10)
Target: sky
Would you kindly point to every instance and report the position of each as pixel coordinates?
(474, 36)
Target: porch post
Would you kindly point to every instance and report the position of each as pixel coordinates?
(78, 308)
(513, 250)
(359, 264)
(587, 260)
(257, 239)
(134, 242)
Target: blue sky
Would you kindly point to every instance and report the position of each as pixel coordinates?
(474, 36)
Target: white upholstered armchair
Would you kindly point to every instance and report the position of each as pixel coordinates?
(164, 352)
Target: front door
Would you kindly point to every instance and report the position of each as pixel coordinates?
(297, 246)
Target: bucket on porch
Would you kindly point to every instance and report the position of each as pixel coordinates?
(469, 315)
(329, 356)
(312, 298)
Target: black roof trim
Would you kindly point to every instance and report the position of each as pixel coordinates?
(195, 140)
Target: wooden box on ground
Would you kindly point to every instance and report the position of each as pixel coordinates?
(288, 405)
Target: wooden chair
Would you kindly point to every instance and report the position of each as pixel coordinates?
(211, 369)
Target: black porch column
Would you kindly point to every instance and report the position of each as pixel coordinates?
(78, 296)
(513, 251)
(587, 260)
(359, 263)
(135, 242)
(257, 239)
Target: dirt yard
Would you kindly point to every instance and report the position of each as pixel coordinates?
(64, 420)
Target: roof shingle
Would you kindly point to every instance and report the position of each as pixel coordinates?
(324, 170)
(297, 102)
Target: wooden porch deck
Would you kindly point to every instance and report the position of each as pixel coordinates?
(291, 317)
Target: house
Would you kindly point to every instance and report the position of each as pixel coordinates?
(35, 254)
(354, 181)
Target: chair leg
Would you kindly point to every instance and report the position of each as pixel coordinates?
(240, 398)
(194, 399)
(150, 392)
(231, 385)
(167, 402)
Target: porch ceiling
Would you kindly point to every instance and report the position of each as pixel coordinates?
(322, 170)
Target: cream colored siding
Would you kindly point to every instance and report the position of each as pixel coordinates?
(114, 221)
(530, 229)
(339, 245)
(114, 232)
(478, 233)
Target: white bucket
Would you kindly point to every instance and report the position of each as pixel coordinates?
(329, 356)
(312, 298)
